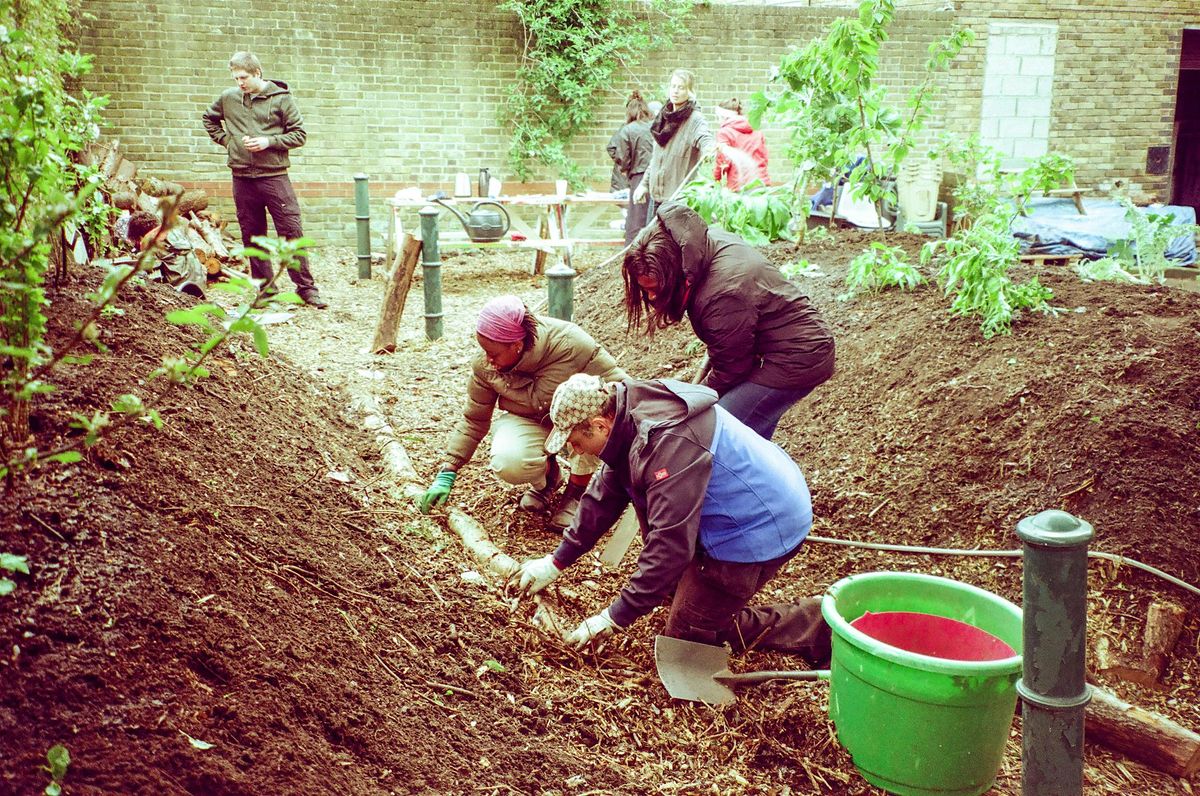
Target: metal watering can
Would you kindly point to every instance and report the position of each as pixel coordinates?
(483, 225)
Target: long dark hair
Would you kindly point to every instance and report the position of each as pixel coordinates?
(636, 109)
(654, 253)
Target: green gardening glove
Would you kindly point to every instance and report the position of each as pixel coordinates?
(438, 491)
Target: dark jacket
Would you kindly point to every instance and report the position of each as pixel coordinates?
(659, 456)
(630, 148)
(757, 326)
(272, 113)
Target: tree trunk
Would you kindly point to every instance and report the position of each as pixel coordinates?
(1141, 735)
(397, 294)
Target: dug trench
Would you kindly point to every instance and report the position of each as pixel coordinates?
(247, 602)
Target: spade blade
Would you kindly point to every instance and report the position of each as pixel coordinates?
(687, 668)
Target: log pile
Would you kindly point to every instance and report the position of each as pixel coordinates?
(125, 190)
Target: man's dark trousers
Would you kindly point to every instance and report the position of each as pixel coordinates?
(253, 197)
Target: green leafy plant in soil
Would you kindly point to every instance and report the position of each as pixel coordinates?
(757, 213)
(983, 187)
(878, 268)
(1141, 258)
(571, 53)
(42, 126)
(826, 96)
(217, 323)
(57, 761)
(974, 271)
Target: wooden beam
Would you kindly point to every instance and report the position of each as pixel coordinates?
(396, 295)
(1141, 735)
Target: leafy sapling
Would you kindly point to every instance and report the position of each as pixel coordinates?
(878, 268)
(58, 758)
(10, 563)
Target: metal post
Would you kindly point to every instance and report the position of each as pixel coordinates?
(362, 218)
(1052, 689)
(560, 291)
(431, 271)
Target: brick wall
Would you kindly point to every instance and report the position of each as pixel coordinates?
(408, 92)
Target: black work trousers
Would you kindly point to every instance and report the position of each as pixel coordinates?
(253, 197)
(710, 607)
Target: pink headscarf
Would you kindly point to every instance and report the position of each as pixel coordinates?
(501, 319)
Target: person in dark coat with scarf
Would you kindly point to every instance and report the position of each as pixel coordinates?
(768, 346)
(721, 511)
(630, 149)
(681, 140)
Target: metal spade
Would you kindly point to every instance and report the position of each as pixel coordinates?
(700, 672)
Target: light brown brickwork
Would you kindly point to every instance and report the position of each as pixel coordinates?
(409, 91)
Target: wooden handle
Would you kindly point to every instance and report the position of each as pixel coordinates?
(754, 678)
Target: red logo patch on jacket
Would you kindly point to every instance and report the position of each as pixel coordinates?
(660, 474)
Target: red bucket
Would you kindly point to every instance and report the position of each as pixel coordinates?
(935, 636)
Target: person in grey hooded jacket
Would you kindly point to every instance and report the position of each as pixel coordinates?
(768, 346)
(257, 123)
(721, 509)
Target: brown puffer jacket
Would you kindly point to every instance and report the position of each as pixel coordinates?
(560, 350)
(757, 325)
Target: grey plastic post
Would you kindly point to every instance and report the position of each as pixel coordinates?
(362, 219)
(560, 291)
(431, 271)
(1052, 688)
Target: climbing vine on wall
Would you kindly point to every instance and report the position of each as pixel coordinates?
(572, 52)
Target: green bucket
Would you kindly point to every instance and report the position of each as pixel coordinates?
(915, 724)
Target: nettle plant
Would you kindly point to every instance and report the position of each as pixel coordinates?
(825, 94)
(985, 188)
(571, 52)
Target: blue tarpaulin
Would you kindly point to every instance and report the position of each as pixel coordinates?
(1054, 226)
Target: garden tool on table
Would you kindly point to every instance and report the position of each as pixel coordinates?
(700, 672)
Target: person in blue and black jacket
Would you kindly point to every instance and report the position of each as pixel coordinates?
(721, 510)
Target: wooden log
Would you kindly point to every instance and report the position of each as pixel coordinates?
(1164, 623)
(1141, 735)
(191, 201)
(112, 159)
(126, 171)
(396, 295)
(156, 187)
(125, 200)
(474, 537)
(198, 244)
(147, 202)
(212, 236)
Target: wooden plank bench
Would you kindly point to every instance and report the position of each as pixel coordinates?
(1073, 191)
(1050, 259)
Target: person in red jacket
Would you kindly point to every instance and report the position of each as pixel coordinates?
(741, 152)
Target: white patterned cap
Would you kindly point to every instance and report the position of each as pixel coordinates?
(577, 399)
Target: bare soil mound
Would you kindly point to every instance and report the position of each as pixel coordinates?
(249, 579)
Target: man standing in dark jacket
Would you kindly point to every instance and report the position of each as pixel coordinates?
(258, 124)
(721, 511)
